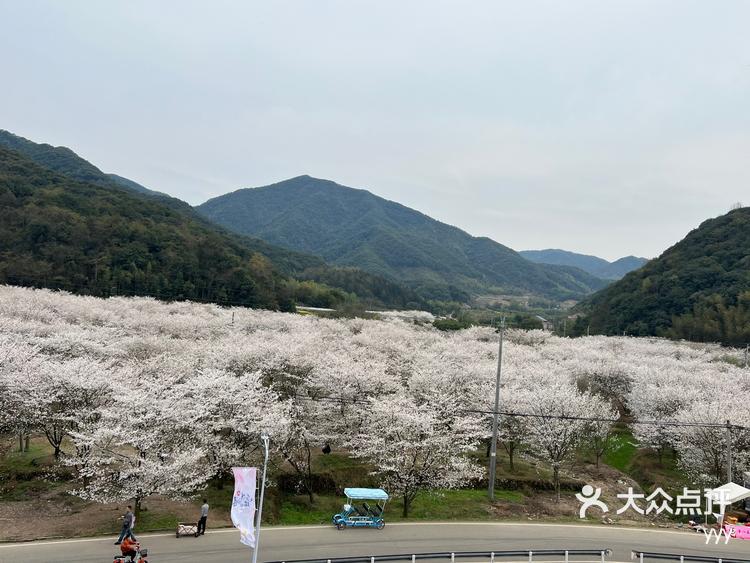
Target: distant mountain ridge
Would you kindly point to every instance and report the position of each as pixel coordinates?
(353, 227)
(134, 186)
(64, 161)
(594, 265)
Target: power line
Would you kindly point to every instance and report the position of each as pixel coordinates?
(353, 401)
(613, 420)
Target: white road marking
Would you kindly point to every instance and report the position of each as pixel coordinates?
(321, 527)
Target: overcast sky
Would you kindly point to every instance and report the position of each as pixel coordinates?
(603, 127)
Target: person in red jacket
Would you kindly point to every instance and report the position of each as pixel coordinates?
(129, 548)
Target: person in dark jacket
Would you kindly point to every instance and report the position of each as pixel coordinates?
(127, 526)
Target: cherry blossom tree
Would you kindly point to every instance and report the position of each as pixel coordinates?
(225, 413)
(559, 424)
(135, 449)
(67, 394)
(703, 449)
(415, 449)
(19, 365)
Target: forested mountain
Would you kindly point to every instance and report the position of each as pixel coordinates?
(352, 227)
(66, 162)
(594, 265)
(373, 291)
(58, 232)
(134, 186)
(699, 289)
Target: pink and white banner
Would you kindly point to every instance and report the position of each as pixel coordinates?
(739, 532)
(243, 503)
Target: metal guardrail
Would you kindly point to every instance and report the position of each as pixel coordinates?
(527, 554)
(641, 555)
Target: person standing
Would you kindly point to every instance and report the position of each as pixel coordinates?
(128, 520)
(203, 518)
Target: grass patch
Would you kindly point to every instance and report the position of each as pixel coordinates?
(297, 509)
(149, 520)
(646, 469)
(462, 504)
(336, 461)
(14, 491)
(510, 496)
(523, 466)
(22, 474)
(29, 462)
(622, 457)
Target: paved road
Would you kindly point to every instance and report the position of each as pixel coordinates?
(324, 541)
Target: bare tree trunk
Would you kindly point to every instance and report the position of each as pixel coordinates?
(305, 473)
(20, 442)
(26, 447)
(556, 478)
(55, 437)
(309, 485)
(407, 503)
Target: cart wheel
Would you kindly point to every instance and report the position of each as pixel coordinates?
(177, 535)
(196, 534)
(381, 524)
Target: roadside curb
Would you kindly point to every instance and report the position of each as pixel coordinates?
(157, 534)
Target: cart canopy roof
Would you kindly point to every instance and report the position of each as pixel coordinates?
(366, 494)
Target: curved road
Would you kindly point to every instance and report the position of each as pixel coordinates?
(305, 542)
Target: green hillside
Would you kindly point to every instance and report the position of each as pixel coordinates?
(351, 227)
(370, 288)
(373, 291)
(60, 233)
(699, 289)
(594, 265)
(131, 185)
(66, 162)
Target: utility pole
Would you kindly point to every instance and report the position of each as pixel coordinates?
(729, 452)
(496, 415)
(265, 439)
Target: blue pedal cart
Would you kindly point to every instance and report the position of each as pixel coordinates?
(363, 509)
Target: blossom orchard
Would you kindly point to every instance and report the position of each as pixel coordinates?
(140, 397)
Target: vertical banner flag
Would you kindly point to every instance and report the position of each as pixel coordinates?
(243, 503)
